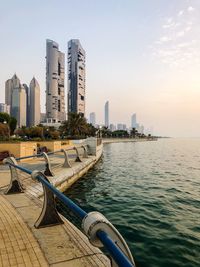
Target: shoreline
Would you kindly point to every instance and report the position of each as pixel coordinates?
(123, 140)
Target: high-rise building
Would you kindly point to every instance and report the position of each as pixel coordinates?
(34, 102)
(93, 118)
(119, 126)
(133, 121)
(18, 108)
(55, 83)
(112, 127)
(9, 86)
(107, 114)
(76, 77)
(28, 99)
(4, 108)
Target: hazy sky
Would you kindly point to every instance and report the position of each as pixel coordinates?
(142, 55)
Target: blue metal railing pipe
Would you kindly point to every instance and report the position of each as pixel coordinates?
(119, 257)
(68, 202)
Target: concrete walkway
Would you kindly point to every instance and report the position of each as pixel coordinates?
(21, 244)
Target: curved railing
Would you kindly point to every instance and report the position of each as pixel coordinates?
(48, 168)
(100, 231)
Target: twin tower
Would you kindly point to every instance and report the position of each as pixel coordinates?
(55, 80)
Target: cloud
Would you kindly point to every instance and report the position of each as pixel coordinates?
(190, 9)
(187, 29)
(165, 39)
(180, 34)
(180, 13)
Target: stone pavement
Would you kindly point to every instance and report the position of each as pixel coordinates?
(21, 244)
(18, 246)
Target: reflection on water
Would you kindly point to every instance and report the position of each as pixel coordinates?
(151, 192)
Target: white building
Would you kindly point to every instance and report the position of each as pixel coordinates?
(4, 108)
(76, 77)
(34, 102)
(93, 118)
(112, 127)
(55, 83)
(106, 108)
(133, 121)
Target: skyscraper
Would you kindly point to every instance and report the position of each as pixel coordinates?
(107, 114)
(76, 77)
(55, 83)
(18, 108)
(9, 86)
(34, 102)
(93, 118)
(28, 99)
(133, 121)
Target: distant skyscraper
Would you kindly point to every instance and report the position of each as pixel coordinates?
(4, 108)
(55, 84)
(112, 127)
(133, 121)
(76, 77)
(107, 114)
(120, 126)
(9, 86)
(18, 109)
(34, 110)
(28, 112)
(93, 118)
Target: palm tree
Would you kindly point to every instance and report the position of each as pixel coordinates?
(76, 125)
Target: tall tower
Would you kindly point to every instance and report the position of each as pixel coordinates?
(107, 114)
(93, 118)
(76, 77)
(28, 99)
(55, 83)
(18, 108)
(34, 102)
(133, 121)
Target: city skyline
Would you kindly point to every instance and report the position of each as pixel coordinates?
(161, 79)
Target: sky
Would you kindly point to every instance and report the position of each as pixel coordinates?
(142, 56)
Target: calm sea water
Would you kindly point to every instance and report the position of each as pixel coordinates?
(151, 192)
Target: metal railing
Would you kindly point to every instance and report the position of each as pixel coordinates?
(48, 168)
(100, 231)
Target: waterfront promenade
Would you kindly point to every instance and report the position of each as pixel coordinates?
(21, 244)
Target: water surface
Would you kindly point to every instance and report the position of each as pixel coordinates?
(151, 192)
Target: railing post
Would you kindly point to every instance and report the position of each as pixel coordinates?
(15, 186)
(66, 164)
(49, 215)
(85, 154)
(77, 155)
(48, 170)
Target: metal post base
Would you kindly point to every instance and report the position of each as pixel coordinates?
(77, 155)
(66, 164)
(15, 185)
(49, 215)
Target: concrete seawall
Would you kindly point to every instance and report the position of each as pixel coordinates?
(56, 246)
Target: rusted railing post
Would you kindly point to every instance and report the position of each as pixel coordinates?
(15, 185)
(48, 170)
(49, 215)
(66, 164)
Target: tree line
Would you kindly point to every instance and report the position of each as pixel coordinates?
(76, 127)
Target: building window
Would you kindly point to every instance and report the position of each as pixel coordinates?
(58, 90)
(58, 105)
(82, 97)
(59, 69)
